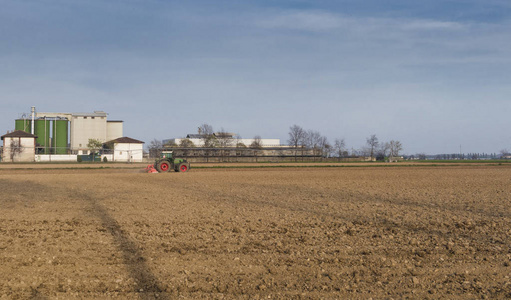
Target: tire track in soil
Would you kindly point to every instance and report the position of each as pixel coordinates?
(13, 190)
(147, 285)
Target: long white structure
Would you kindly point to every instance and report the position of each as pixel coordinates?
(198, 142)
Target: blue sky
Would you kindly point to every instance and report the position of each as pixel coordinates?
(431, 74)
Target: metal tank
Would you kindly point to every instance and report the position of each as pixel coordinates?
(42, 130)
(59, 140)
(23, 124)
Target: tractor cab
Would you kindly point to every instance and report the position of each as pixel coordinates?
(166, 154)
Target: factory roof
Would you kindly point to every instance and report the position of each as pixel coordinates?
(195, 136)
(126, 140)
(18, 133)
(94, 114)
(224, 134)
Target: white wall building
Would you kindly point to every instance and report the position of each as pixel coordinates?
(19, 146)
(126, 149)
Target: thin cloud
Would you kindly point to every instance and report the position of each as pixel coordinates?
(325, 21)
(432, 25)
(304, 21)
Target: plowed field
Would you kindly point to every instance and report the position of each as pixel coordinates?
(401, 232)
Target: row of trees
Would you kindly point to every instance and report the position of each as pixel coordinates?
(300, 138)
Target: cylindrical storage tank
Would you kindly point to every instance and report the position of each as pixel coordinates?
(42, 130)
(59, 141)
(23, 124)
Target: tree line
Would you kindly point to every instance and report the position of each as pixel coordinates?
(311, 139)
(301, 141)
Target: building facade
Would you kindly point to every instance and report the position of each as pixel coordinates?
(229, 139)
(126, 149)
(19, 146)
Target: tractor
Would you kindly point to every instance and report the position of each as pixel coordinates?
(167, 162)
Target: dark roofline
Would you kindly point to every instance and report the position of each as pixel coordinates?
(19, 133)
(125, 140)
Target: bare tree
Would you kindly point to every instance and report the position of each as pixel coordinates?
(257, 143)
(394, 148)
(372, 143)
(224, 139)
(339, 146)
(504, 153)
(296, 137)
(155, 147)
(207, 135)
(313, 140)
(382, 151)
(324, 146)
(15, 149)
(206, 129)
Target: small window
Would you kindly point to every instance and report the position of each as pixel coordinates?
(85, 117)
(92, 117)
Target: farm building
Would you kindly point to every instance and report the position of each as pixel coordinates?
(68, 133)
(229, 138)
(126, 149)
(19, 146)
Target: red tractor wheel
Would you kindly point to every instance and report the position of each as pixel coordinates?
(163, 166)
(183, 167)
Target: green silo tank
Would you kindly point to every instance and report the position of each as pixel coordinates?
(59, 141)
(23, 124)
(42, 130)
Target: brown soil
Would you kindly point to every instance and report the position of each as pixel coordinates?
(412, 232)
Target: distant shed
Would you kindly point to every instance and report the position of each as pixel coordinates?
(19, 146)
(126, 149)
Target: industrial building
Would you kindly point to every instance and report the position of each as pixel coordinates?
(68, 133)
